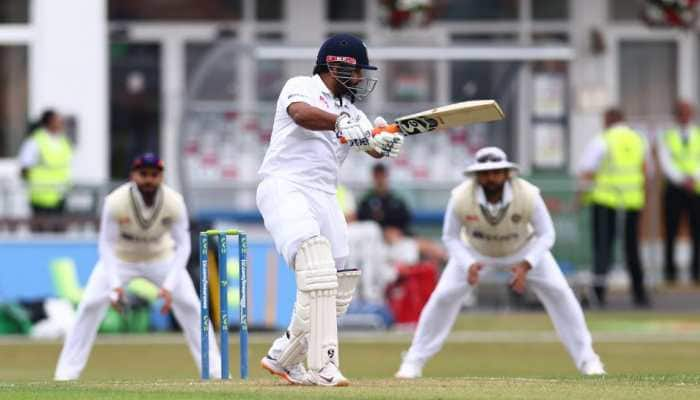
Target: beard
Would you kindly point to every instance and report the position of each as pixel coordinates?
(493, 189)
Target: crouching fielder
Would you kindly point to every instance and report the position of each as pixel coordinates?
(143, 233)
(495, 221)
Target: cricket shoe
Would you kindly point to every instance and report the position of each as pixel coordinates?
(593, 367)
(329, 375)
(295, 374)
(409, 370)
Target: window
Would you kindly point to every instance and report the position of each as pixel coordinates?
(270, 73)
(410, 81)
(454, 10)
(219, 82)
(471, 80)
(13, 98)
(549, 115)
(135, 103)
(343, 10)
(483, 38)
(269, 10)
(125, 10)
(14, 11)
(541, 38)
(648, 90)
(624, 10)
(550, 9)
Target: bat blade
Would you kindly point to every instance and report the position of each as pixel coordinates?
(450, 116)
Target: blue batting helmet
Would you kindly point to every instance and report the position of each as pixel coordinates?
(344, 48)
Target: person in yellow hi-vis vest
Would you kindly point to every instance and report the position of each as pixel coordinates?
(45, 161)
(679, 156)
(612, 169)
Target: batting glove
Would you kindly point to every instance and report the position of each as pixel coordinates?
(386, 143)
(356, 132)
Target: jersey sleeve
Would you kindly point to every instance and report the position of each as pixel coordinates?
(451, 230)
(543, 230)
(295, 90)
(109, 233)
(180, 232)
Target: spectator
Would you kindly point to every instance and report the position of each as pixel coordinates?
(612, 167)
(45, 161)
(384, 206)
(368, 252)
(679, 156)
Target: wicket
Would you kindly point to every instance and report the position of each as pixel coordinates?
(221, 236)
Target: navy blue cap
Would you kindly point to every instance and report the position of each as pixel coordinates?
(147, 160)
(344, 48)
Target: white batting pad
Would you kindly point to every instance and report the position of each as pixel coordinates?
(314, 310)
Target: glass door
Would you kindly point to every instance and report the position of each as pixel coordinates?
(135, 103)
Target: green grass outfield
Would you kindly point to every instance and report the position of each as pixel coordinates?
(489, 356)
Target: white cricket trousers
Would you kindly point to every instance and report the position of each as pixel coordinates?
(93, 308)
(546, 281)
(293, 213)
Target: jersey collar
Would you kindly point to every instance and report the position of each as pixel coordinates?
(321, 85)
(505, 200)
(139, 206)
(326, 91)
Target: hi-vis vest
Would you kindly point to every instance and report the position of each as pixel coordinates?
(686, 157)
(141, 239)
(49, 179)
(619, 182)
(501, 235)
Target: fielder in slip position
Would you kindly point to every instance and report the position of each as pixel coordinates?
(316, 124)
(496, 221)
(144, 232)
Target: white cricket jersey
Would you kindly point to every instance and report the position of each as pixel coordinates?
(540, 221)
(308, 158)
(131, 232)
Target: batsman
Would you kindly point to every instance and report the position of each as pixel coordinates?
(316, 125)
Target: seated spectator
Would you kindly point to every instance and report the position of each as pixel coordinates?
(390, 211)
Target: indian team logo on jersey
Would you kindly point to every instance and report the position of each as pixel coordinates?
(167, 221)
(516, 218)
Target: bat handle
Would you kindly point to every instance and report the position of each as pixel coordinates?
(391, 128)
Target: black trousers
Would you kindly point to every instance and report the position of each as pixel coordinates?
(604, 232)
(48, 219)
(677, 200)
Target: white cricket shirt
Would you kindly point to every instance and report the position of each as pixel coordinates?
(541, 242)
(307, 158)
(133, 233)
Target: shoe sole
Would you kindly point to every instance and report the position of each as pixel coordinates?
(278, 373)
(344, 383)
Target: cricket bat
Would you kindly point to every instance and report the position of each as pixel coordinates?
(449, 116)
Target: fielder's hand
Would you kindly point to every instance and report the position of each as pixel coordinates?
(473, 275)
(117, 299)
(386, 143)
(357, 131)
(520, 271)
(167, 301)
